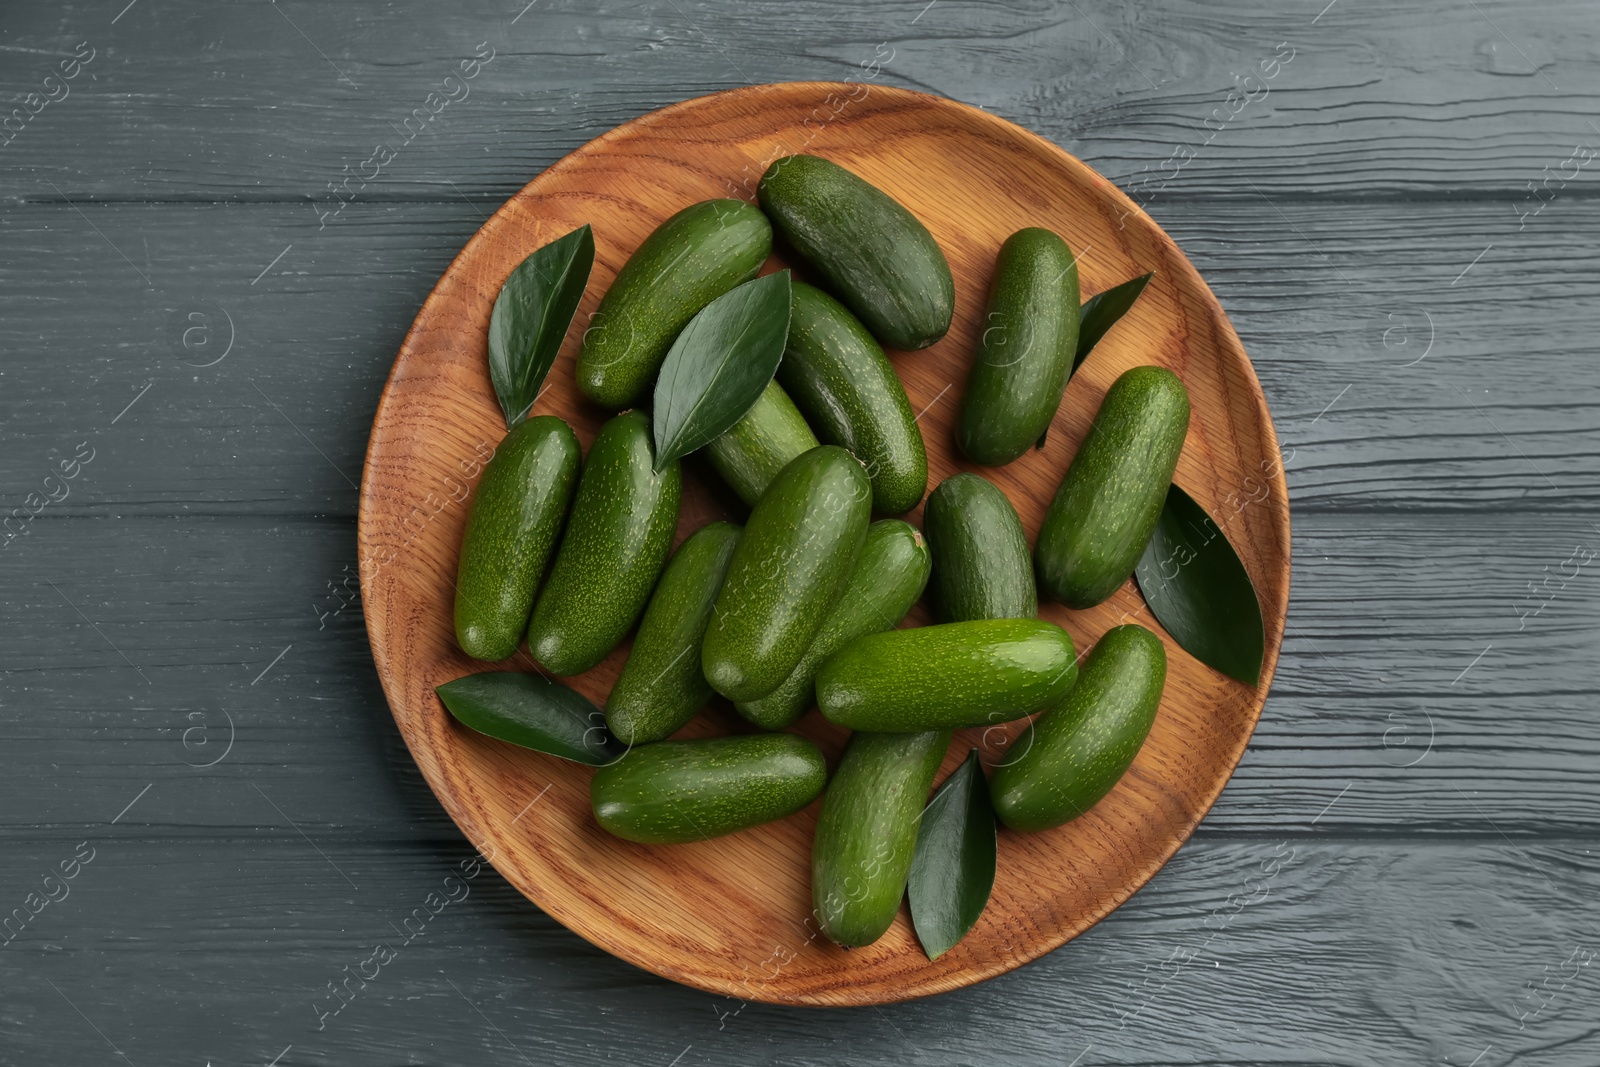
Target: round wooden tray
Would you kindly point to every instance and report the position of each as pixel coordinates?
(730, 915)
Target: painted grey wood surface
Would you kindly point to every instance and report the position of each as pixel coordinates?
(1401, 227)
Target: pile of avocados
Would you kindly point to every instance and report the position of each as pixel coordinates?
(799, 608)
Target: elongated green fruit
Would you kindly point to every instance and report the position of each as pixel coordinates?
(843, 382)
(1025, 353)
(1073, 754)
(1110, 499)
(515, 519)
(761, 444)
(948, 676)
(981, 566)
(691, 259)
(867, 832)
(883, 263)
(888, 579)
(661, 686)
(797, 552)
(675, 791)
(616, 542)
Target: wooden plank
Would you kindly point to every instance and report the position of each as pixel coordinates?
(1418, 671)
(1428, 914)
(1301, 951)
(188, 100)
(261, 383)
(1489, 416)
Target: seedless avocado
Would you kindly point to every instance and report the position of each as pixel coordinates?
(797, 552)
(888, 578)
(515, 519)
(761, 444)
(661, 686)
(676, 791)
(1073, 754)
(981, 566)
(953, 675)
(1024, 357)
(616, 542)
(691, 259)
(842, 381)
(1111, 497)
(876, 255)
(867, 832)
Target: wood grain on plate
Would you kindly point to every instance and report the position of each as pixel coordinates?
(729, 915)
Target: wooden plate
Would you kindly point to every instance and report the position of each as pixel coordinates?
(730, 915)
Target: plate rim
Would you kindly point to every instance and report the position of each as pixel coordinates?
(1275, 615)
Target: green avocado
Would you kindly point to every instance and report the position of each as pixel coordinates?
(617, 540)
(1111, 497)
(949, 676)
(1073, 754)
(676, 791)
(761, 444)
(867, 832)
(661, 686)
(688, 261)
(981, 566)
(798, 550)
(879, 259)
(888, 579)
(1025, 352)
(843, 382)
(515, 519)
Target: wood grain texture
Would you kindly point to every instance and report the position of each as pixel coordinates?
(1398, 143)
(1388, 610)
(200, 100)
(1353, 953)
(315, 334)
(703, 913)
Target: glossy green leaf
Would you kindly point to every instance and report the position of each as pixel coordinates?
(719, 365)
(531, 316)
(1101, 312)
(1195, 585)
(952, 870)
(532, 711)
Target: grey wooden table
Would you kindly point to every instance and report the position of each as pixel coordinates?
(206, 814)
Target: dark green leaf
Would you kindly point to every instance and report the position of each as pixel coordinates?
(1101, 312)
(1194, 583)
(952, 870)
(531, 316)
(532, 711)
(719, 365)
